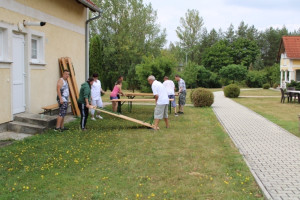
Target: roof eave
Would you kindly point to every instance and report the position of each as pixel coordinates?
(90, 5)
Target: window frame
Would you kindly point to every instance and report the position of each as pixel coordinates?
(1, 44)
(39, 49)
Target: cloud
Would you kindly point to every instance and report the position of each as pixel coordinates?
(221, 13)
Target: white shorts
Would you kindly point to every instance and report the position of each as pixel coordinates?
(97, 103)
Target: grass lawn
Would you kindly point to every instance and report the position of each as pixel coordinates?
(285, 115)
(116, 159)
(260, 92)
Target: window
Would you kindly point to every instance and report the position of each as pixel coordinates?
(1, 45)
(36, 49)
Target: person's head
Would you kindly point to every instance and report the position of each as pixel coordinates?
(119, 82)
(95, 76)
(90, 81)
(66, 74)
(177, 77)
(151, 79)
(120, 78)
(166, 78)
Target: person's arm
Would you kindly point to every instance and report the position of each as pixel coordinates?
(102, 91)
(156, 98)
(120, 92)
(86, 98)
(58, 87)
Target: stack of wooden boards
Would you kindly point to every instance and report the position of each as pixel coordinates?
(65, 63)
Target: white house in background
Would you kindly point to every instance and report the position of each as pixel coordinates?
(289, 54)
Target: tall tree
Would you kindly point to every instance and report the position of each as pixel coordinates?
(189, 33)
(126, 32)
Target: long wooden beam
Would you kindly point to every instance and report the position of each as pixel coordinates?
(126, 118)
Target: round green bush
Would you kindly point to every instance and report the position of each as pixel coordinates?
(202, 97)
(266, 86)
(232, 91)
(275, 85)
(191, 95)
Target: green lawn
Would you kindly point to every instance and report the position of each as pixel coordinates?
(260, 92)
(116, 159)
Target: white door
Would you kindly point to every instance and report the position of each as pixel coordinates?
(18, 74)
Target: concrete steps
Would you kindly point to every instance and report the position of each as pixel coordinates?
(31, 123)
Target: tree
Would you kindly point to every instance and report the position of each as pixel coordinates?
(234, 72)
(125, 33)
(272, 74)
(244, 51)
(158, 67)
(189, 33)
(217, 56)
(197, 76)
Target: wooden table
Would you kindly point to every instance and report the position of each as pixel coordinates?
(137, 100)
(133, 95)
(291, 92)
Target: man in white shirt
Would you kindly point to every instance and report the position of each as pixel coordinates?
(161, 100)
(170, 86)
(96, 90)
(182, 93)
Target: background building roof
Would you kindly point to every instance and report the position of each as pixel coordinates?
(291, 46)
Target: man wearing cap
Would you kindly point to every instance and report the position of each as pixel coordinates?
(161, 100)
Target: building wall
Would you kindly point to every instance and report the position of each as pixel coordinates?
(63, 36)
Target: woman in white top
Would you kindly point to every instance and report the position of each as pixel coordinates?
(96, 90)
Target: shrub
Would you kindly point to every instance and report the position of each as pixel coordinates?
(202, 97)
(191, 95)
(255, 79)
(232, 91)
(266, 86)
(275, 85)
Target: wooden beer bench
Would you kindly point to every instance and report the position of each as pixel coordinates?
(52, 107)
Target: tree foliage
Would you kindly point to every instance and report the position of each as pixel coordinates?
(158, 67)
(234, 72)
(126, 32)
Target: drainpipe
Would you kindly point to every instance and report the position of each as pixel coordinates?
(87, 41)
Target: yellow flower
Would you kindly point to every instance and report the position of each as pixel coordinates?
(137, 195)
(42, 176)
(152, 195)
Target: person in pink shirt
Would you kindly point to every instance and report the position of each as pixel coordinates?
(114, 95)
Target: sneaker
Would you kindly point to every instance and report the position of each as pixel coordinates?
(93, 118)
(57, 130)
(84, 129)
(98, 116)
(64, 129)
(180, 112)
(176, 114)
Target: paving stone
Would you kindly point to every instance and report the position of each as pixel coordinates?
(271, 152)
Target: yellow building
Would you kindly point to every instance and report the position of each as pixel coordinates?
(289, 53)
(29, 52)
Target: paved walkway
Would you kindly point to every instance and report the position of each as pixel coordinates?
(271, 152)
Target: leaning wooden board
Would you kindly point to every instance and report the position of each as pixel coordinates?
(61, 73)
(72, 93)
(72, 74)
(126, 118)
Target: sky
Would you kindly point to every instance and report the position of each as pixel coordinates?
(221, 13)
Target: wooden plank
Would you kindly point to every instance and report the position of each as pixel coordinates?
(126, 118)
(136, 100)
(61, 73)
(73, 78)
(72, 93)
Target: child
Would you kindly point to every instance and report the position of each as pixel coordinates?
(114, 94)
